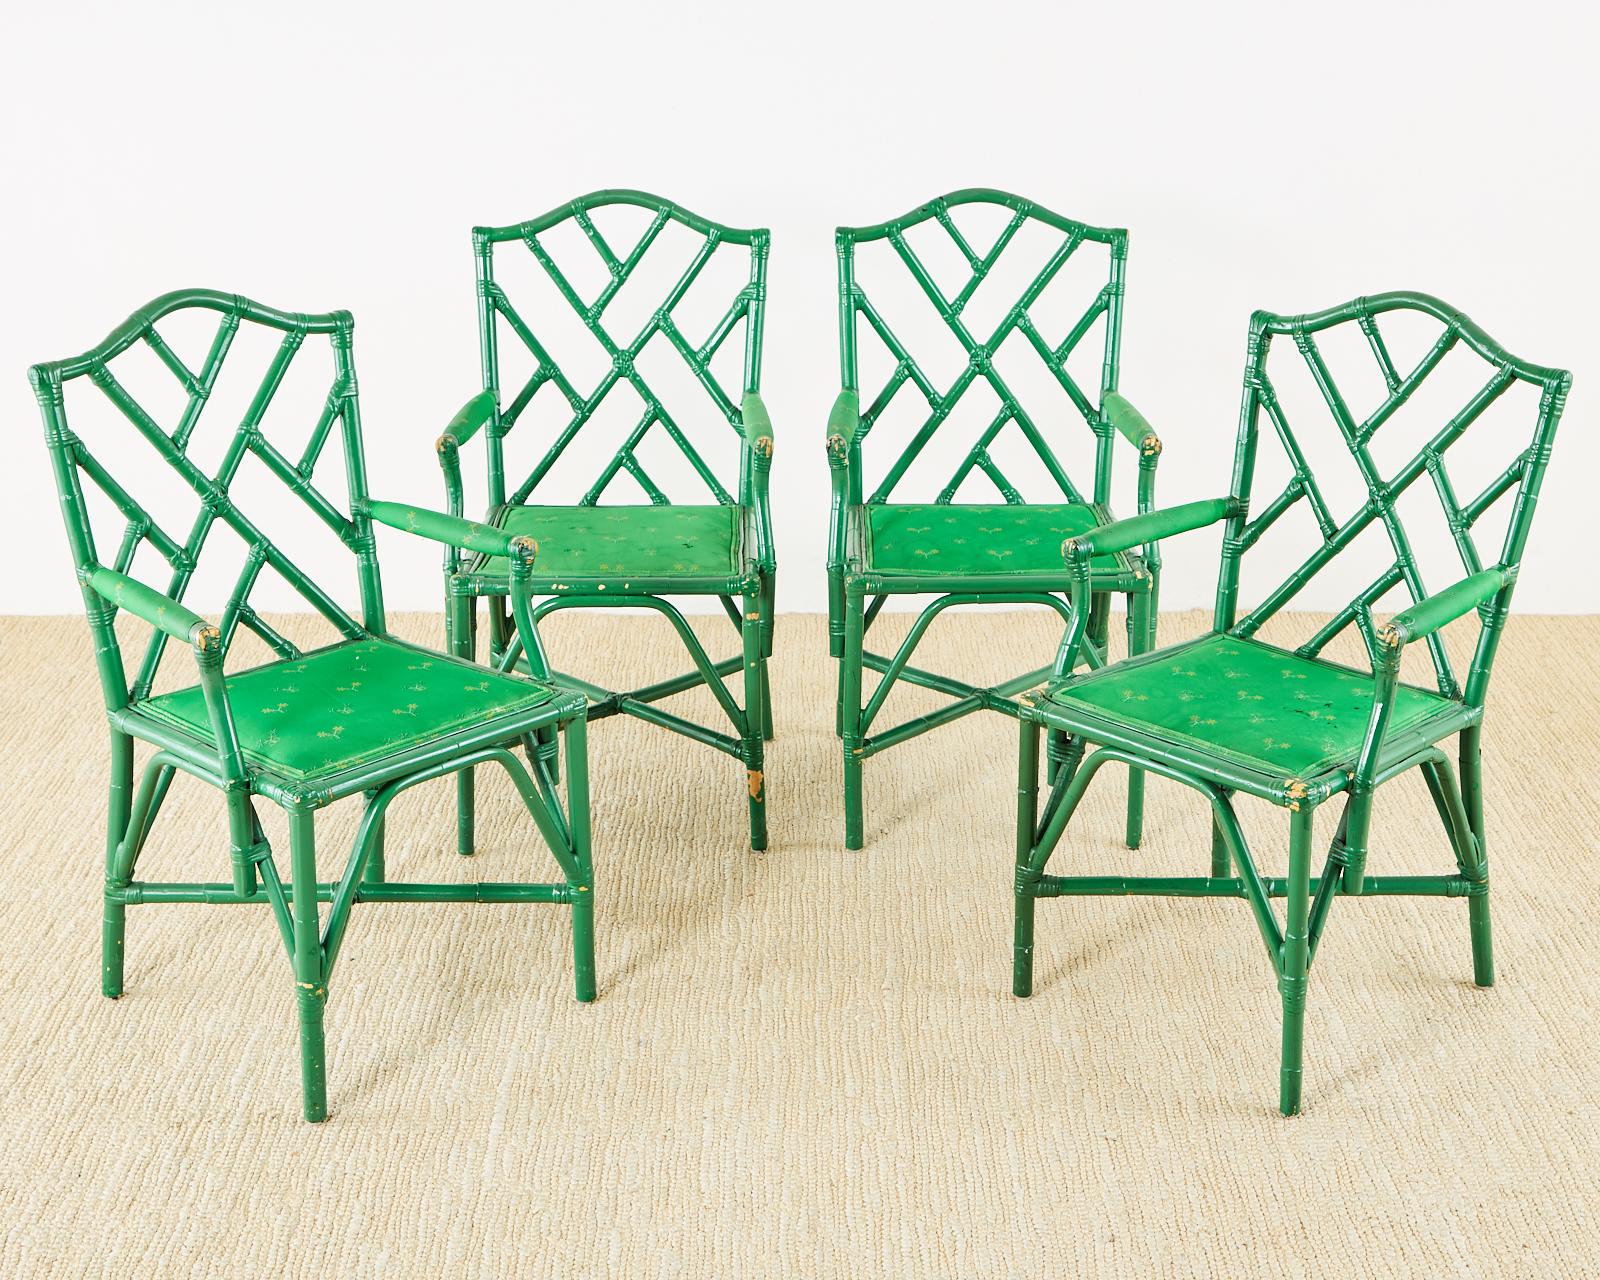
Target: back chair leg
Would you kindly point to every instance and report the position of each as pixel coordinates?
(375, 870)
(311, 991)
(754, 683)
(850, 713)
(1296, 959)
(462, 629)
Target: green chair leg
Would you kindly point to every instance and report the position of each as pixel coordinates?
(754, 684)
(311, 990)
(463, 643)
(1027, 816)
(1139, 638)
(1296, 959)
(578, 823)
(113, 928)
(1220, 862)
(768, 733)
(376, 870)
(1477, 869)
(854, 837)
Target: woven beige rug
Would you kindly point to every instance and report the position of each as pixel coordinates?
(806, 1062)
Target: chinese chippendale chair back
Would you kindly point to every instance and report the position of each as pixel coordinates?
(1409, 471)
(681, 291)
(998, 346)
(177, 509)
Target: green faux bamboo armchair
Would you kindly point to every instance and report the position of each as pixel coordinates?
(619, 555)
(975, 552)
(365, 715)
(1231, 713)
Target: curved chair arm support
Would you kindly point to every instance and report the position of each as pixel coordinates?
(1420, 620)
(844, 421)
(757, 427)
(1131, 424)
(469, 420)
(453, 531)
(758, 442)
(1152, 526)
(469, 535)
(159, 610)
(1444, 607)
(1121, 535)
(182, 623)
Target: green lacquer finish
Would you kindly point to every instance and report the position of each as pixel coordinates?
(1230, 714)
(601, 544)
(980, 539)
(597, 550)
(891, 542)
(365, 715)
(351, 704)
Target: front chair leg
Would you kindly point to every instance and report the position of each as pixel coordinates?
(1027, 817)
(850, 713)
(311, 988)
(754, 682)
(1296, 958)
(1138, 642)
(113, 928)
(1477, 869)
(769, 621)
(463, 639)
(578, 823)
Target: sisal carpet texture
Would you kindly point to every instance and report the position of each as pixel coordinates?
(806, 1062)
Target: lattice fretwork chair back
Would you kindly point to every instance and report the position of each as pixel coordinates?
(979, 341)
(1351, 426)
(1400, 438)
(188, 508)
(625, 432)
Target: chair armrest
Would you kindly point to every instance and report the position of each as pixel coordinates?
(467, 422)
(844, 420)
(182, 623)
(469, 419)
(160, 611)
(453, 531)
(757, 425)
(1150, 527)
(1130, 423)
(1444, 607)
(754, 478)
(1420, 620)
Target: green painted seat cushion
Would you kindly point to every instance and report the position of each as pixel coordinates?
(971, 538)
(642, 541)
(1248, 702)
(349, 704)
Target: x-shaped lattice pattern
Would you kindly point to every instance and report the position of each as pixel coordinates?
(213, 489)
(745, 306)
(980, 355)
(1382, 491)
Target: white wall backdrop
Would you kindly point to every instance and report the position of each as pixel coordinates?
(316, 156)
